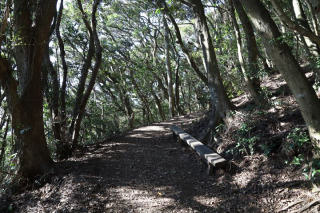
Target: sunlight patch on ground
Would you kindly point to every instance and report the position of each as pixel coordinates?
(116, 144)
(207, 201)
(242, 179)
(142, 200)
(147, 131)
(66, 195)
(151, 128)
(139, 135)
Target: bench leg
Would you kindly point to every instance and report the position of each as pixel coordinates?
(174, 137)
(210, 169)
(182, 143)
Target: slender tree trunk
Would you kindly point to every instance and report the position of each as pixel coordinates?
(105, 88)
(253, 52)
(83, 78)
(159, 106)
(143, 98)
(220, 103)
(189, 95)
(252, 68)
(65, 70)
(53, 96)
(154, 63)
(169, 70)
(5, 121)
(314, 19)
(302, 19)
(186, 52)
(177, 88)
(4, 145)
(160, 83)
(315, 6)
(288, 66)
(128, 108)
(292, 25)
(95, 70)
(219, 97)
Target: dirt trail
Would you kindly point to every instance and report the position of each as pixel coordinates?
(146, 171)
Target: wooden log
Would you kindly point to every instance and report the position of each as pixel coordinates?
(211, 158)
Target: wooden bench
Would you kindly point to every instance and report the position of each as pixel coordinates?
(211, 158)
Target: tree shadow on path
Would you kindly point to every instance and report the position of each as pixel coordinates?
(144, 171)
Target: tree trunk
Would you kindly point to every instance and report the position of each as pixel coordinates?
(143, 98)
(315, 5)
(26, 102)
(95, 70)
(314, 19)
(4, 137)
(53, 96)
(169, 70)
(65, 70)
(302, 19)
(128, 108)
(292, 25)
(219, 98)
(177, 88)
(251, 70)
(288, 66)
(159, 105)
(186, 52)
(75, 127)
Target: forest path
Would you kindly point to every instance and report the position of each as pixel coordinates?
(143, 171)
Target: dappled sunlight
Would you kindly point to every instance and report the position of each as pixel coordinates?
(155, 175)
(207, 200)
(147, 131)
(116, 144)
(151, 128)
(159, 106)
(140, 136)
(143, 200)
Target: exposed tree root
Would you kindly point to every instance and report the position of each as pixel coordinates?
(291, 205)
(306, 207)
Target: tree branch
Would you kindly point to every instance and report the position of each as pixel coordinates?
(292, 25)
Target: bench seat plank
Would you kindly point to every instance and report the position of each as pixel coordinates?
(211, 157)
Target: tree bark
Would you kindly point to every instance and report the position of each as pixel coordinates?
(96, 67)
(177, 88)
(84, 73)
(219, 98)
(4, 24)
(302, 20)
(158, 103)
(25, 97)
(288, 66)
(64, 67)
(314, 19)
(315, 5)
(4, 140)
(292, 25)
(53, 94)
(168, 67)
(251, 70)
(154, 63)
(145, 103)
(184, 49)
(127, 105)
(129, 110)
